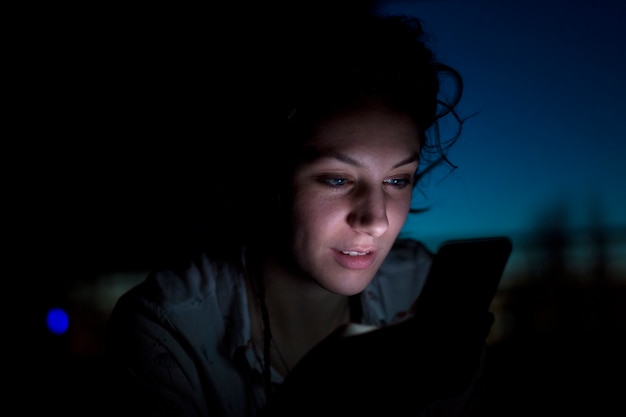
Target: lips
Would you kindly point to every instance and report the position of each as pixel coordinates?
(355, 259)
(353, 253)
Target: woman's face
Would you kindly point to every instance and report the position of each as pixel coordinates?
(353, 197)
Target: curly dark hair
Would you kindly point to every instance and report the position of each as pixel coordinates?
(311, 63)
(363, 57)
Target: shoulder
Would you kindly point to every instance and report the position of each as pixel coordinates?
(202, 283)
(178, 329)
(408, 253)
(397, 284)
(408, 262)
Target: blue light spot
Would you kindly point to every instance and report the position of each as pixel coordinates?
(57, 320)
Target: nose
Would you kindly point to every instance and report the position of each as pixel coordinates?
(369, 212)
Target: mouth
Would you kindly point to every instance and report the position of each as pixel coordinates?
(353, 253)
(355, 259)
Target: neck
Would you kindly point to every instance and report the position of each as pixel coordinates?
(301, 313)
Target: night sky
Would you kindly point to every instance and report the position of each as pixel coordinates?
(107, 173)
(544, 81)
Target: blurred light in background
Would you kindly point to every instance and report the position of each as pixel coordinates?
(57, 320)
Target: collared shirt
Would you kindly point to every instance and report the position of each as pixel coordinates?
(181, 339)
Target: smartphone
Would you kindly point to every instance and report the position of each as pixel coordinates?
(433, 354)
(464, 275)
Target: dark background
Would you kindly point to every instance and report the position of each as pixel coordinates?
(111, 171)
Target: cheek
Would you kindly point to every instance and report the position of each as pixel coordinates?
(398, 209)
(314, 214)
(312, 211)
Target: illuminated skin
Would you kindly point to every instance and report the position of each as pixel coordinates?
(348, 207)
(352, 200)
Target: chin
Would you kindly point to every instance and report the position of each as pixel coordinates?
(347, 287)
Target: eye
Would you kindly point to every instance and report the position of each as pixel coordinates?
(398, 182)
(334, 182)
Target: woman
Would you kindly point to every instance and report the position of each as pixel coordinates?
(348, 125)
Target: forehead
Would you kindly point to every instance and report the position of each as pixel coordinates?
(368, 127)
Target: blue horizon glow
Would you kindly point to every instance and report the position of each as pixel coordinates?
(545, 80)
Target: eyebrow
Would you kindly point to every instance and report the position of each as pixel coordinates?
(345, 158)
